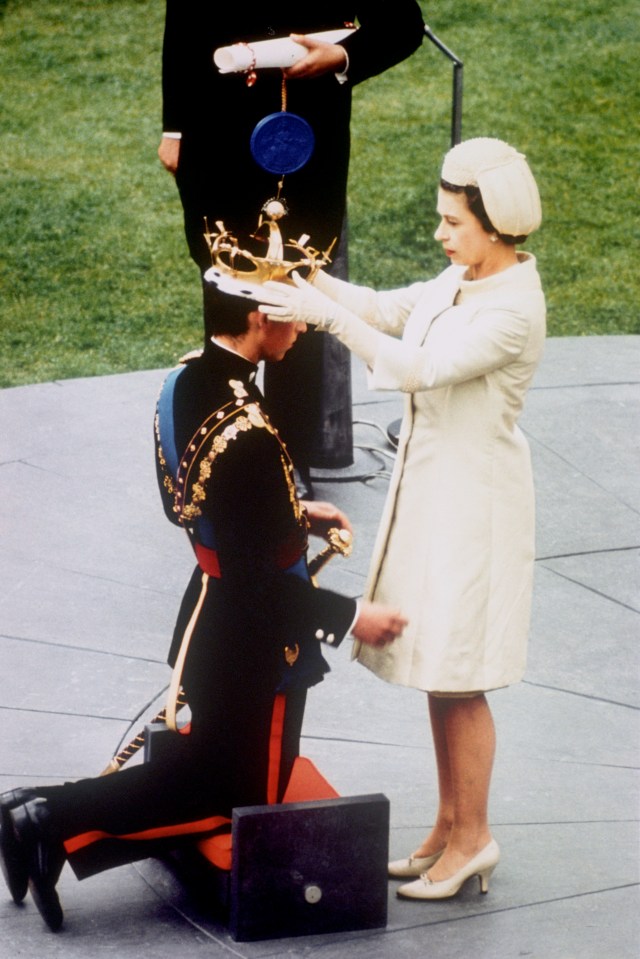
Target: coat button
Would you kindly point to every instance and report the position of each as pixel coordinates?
(319, 633)
(331, 638)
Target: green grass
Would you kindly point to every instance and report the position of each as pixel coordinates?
(94, 272)
(560, 83)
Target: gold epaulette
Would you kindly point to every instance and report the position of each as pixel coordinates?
(212, 438)
(190, 356)
(220, 429)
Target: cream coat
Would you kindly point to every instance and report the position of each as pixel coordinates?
(455, 547)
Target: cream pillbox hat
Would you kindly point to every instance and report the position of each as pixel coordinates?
(507, 187)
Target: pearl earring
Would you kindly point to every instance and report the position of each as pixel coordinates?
(494, 238)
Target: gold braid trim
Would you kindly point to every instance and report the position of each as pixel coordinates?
(232, 422)
(221, 428)
(167, 479)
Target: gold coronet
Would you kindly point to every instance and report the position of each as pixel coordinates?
(233, 267)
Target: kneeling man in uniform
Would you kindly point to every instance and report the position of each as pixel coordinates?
(248, 638)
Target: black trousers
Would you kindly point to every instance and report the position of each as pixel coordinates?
(199, 779)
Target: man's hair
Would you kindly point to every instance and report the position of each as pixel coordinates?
(228, 314)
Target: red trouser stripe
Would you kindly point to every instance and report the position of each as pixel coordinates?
(76, 843)
(275, 747)
(161, 832)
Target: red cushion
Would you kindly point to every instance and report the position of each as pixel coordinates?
(305, 784)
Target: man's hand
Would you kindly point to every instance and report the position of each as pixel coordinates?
(323, 516)
(321, 58)
(378, 625)
(169, 153)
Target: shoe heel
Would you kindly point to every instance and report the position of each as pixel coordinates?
(484, 878)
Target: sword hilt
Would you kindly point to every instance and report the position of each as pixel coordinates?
(338, 541)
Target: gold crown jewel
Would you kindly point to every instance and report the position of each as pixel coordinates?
(239, 272)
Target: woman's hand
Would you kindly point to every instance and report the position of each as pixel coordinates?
(304, 303)
(301, 303)
(378, 625)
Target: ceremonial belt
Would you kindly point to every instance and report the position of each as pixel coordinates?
(208, 560)
(288, 556)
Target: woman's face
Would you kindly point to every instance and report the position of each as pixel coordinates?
(463, 238)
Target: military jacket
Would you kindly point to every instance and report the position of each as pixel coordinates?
(225, 476)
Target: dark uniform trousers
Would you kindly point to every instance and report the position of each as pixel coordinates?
(147, 809)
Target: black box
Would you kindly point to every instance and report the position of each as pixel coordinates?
(309, 868)
(297, 868)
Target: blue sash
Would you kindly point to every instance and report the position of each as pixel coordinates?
(167, 437)
(166, 427)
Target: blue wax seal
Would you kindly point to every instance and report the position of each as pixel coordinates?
(282, 143)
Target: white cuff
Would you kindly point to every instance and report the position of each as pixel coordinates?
(342, 76)
(172, 136)
(355, 618)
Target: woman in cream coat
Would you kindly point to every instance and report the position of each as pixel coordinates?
(455, 547)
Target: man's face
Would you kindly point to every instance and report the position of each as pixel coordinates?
(279, 338)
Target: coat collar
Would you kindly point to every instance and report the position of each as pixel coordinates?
(229, 363)
(438, 296)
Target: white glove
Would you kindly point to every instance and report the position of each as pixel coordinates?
(297, 304)
(303, 303)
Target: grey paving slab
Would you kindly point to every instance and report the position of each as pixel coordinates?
(80, 526)
(42, 747)
(582, 425)
(573, 513)
(533, 882)
(614, 574)
(533, 872)
(85, 611)
(103, 920)
(577, 929)
(589, 360)
(91, 685)
(536, 720)
(77, 414)
(89, 587)
(524, 790)
(583, 641)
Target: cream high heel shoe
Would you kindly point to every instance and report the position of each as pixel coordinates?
(413, 866)
(481, 865)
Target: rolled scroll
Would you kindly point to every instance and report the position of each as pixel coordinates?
(281, 52)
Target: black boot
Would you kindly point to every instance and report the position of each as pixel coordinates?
(13, 862)
(45, 857)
